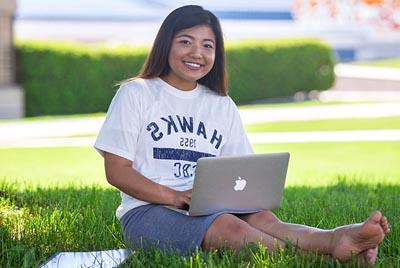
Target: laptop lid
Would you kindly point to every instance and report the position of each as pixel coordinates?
(239, 184)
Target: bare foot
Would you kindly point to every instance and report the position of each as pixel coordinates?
(362, 238)
(368, 256)
(385, 225)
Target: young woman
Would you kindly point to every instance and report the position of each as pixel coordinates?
(176, 111)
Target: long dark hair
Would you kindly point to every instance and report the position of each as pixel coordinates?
(156, 64)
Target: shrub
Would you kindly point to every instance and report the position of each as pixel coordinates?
(67, 79)
(280, 68)
(71, 78)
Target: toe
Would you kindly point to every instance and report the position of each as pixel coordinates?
(387, 229)
(371, 255)
(385, 225)
(375, 217)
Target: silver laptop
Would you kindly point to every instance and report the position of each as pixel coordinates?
(238, 184)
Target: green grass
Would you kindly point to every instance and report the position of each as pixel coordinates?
(311, 164)
(56, 199)
(53, 166)
(37, 223)
(390, 63)
(321, 163)
(392, 122)
(52, 117)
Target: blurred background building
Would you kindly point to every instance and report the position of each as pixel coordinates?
(357, 29)
(11, 96)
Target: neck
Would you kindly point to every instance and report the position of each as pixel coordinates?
(181, 85)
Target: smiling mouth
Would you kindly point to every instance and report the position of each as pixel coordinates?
(193, 65)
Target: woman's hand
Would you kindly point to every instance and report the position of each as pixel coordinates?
(182, 198)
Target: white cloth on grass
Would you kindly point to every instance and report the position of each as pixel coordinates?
(92, 259)
(164, 130)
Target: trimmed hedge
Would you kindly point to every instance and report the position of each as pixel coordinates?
(278, 68)
(68, 79)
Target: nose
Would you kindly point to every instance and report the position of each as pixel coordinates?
(196, 51)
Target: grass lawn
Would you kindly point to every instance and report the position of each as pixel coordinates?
(52, 117)
(392, 122)
(391, 63)
(47, 167)
(56, 199)
(311, 164)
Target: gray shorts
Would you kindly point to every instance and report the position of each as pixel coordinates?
(155, 225)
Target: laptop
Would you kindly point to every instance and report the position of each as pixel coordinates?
(238, 184)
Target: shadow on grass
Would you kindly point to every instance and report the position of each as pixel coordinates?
(36, 223)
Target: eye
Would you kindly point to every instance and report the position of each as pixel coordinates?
(208, 46)
(184, 41)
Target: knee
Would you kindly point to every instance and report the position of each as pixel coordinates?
(265, 217)
(231, 225)
(225, 229)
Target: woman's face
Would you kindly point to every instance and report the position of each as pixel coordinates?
(191, 56)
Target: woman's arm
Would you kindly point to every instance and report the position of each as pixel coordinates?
(120, 174)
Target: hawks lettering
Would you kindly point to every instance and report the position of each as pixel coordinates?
(181, 124)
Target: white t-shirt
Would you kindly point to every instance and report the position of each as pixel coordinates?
(164, 130)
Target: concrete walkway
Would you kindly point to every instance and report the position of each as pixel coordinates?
(363, 83)
(371, 110)
(275, 137)
(81, 131)
(326, 136)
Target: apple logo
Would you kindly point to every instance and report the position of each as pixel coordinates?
(239, 184)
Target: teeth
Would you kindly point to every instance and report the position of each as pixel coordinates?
(193, 64)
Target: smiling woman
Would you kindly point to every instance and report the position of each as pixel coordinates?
(191, 57)
(176, 111)
(187, 50)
